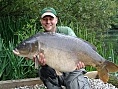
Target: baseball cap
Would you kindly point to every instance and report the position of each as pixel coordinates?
(48, 11)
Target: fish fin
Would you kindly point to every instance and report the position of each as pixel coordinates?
(103, 75)
(36, 62)
(110, 66)
(92, 74)
(58, 72)
(92, 46)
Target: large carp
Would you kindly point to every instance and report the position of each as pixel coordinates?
(63, 52)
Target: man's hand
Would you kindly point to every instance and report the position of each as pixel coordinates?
(80, 65)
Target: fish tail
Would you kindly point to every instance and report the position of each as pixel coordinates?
(103, 75)
(105, 69)
(110, 66)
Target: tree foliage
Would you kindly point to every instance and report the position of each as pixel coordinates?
(94, 14)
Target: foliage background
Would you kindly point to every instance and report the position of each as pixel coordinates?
(93, 20)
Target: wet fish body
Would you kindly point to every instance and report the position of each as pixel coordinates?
(63, 52)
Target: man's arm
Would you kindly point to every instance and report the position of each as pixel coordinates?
(71, 32)
(66, 30)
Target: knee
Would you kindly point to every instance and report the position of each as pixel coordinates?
(46, 72)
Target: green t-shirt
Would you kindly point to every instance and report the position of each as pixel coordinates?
(66, 30)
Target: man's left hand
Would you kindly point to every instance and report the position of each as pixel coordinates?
(80, 65)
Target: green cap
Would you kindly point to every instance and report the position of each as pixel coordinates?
(48, 11)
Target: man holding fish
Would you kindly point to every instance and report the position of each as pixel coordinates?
(65, 53)
(71, 80)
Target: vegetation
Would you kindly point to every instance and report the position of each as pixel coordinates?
(91, 20)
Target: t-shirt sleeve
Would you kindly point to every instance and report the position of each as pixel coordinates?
(71, 32)
(66, 30)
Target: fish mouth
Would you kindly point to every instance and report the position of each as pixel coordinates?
(15, 51)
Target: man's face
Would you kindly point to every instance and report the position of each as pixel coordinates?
(49, 23)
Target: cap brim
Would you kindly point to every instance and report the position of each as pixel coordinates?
(48, 13)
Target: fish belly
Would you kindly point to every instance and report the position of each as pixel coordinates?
(60, 60)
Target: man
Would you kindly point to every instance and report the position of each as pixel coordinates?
(71, 80)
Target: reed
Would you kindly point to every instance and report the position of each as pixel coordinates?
(14, 67)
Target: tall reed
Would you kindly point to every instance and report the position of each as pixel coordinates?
(14, 67)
